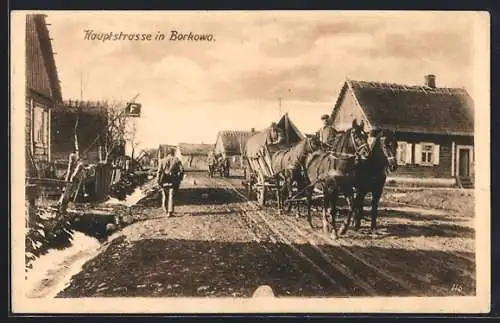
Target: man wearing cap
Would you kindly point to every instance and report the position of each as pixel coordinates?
(169, 176)
(375, 133)
(327, 133)
(275, 135)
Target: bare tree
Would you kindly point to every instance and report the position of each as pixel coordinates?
(131, 135)
(116, 131)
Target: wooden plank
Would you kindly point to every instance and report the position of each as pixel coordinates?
(267, 184)
(89, 212)
(314, 197)
(46, 181)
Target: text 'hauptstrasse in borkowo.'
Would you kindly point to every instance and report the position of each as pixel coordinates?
(172, 35)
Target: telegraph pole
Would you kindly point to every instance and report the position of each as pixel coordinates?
(81, 81)
(81, 85)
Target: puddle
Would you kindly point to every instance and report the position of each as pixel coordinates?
(52, 272)
(130, 200)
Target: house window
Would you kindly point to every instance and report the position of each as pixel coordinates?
(40, 126)
(403, 153)
(427, 154)
(427, 151)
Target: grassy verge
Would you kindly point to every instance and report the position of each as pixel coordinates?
(455, 200)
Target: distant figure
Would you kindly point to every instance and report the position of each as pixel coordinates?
(211, 158)
(327, 133)
(275, 135)
(225, 161)
(211, 161)
(169, 176)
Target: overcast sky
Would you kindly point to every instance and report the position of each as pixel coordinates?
(191, 90)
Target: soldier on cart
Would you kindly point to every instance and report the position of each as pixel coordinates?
(275, 135)
(327, 133)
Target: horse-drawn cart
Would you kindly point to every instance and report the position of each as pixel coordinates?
(218, 164)
(261, 178)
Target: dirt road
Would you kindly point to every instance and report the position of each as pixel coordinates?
(220, 244)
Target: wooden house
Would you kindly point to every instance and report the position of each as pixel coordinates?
(230, 143)
(434, 126)
(43, 93)
(163, 150)
(194, 156)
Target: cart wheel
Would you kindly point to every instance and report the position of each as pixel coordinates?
(262, 196)
(249, 192)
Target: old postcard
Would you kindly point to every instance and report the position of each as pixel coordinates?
(239, 162)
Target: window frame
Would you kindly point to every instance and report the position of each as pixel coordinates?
(429, 153)
(400, 157)
(40, 125)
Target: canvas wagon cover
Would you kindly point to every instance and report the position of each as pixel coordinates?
(255, 143)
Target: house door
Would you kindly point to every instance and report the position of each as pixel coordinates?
(463, 162)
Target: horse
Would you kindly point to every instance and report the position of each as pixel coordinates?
(218, 163)
(333, 173)
(371, 175)
(289, 166)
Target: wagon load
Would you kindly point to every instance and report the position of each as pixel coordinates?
(262, 168)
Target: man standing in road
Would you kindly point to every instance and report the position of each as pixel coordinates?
(327, 133)
(169, 176)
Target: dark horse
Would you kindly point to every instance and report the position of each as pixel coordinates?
(289, 165)
(333, 172)
(371, 174)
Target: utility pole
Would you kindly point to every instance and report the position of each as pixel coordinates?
(81, 86)
(280, 99)
(81, 82)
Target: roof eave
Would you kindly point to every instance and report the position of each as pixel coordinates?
(48, 56)
(431, 132)
(339, 99)
(368, 121)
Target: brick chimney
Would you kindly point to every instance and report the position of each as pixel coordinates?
(430, 81)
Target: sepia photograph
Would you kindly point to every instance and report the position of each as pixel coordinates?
(250, 162)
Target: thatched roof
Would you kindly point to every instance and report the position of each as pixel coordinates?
(188, 149)
(163, 149)
(407, 108)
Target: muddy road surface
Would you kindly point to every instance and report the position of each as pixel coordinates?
(220, 244)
